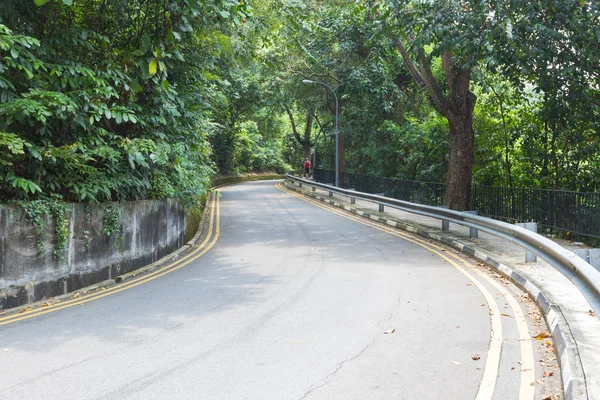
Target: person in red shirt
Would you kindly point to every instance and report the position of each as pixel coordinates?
(306, 168)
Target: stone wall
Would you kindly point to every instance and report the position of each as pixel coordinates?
(150, 229)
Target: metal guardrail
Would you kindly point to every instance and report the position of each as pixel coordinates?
(582, 274)
(576, 213)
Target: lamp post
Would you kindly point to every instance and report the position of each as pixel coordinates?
(337, 133)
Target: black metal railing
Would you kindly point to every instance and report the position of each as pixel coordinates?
(553, 210)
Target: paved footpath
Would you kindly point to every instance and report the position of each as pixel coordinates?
(293, 301)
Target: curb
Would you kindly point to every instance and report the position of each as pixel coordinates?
(567, 351)
(57, 299)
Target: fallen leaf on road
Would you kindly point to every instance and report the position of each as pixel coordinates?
(548, 373)
(538, 381)
(475, 357)
(455, 362)
(389, 331)
(592, 313)
(542, 335)
(506, 315)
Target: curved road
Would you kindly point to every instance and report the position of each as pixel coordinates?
(293, 301)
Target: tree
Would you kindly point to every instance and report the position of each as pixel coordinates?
(304, 140)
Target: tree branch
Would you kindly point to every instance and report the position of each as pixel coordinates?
(289, 113)
(439, 100)
(424, 77)
(412, 68)
(308, 129)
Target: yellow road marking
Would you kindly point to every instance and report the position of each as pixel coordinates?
(135, 282)
(488, 381)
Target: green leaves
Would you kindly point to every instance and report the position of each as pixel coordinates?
(26, 185)
(152, 67)
(40, 3)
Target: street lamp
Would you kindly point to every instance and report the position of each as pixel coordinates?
(337, 133)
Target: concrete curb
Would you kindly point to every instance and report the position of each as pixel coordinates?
(567, 351)
(57, 299)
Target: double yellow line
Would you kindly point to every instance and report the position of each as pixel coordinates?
(488, 381)
(203, 248)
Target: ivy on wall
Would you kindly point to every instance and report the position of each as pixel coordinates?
(37, 213)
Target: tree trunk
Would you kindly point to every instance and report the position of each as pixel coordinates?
(305, 142)
(306, 146)
(457, 106)
(342, 150)
(460, 163)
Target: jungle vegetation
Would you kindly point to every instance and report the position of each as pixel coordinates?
(106, 100)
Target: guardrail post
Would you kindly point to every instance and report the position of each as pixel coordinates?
(352, 199)
(330, 194)
(299, 184)
(445, 222)
(473, 233)
(530, 226)
(590, 256)
(381, 208)
(314, 189)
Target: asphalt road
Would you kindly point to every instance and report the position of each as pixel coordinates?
(291, 302)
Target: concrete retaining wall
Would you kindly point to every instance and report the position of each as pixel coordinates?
(150, 230)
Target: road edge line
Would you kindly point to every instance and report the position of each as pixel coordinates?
(566, 348)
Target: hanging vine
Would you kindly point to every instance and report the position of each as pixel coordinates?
(36, 212)
(112, 227)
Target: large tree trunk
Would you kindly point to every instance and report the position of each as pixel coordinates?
(457, 106)
(306, 146)
(460, 163)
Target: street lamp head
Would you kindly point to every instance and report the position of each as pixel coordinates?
(306, 81)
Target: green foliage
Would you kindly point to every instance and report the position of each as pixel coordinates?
(109, 103)
(112, 225)
(123, 100)
(37, 212)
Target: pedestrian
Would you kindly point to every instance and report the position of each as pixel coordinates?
(306, 168)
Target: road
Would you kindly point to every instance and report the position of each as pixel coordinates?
(287, 300)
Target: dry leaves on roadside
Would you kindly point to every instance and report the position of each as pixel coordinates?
(592, 313)
(455, 362)
(475, 357)
(542, 335)
(389, 331)
(22, 310)
(548, 373)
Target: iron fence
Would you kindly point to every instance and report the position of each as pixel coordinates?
(554, 211)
